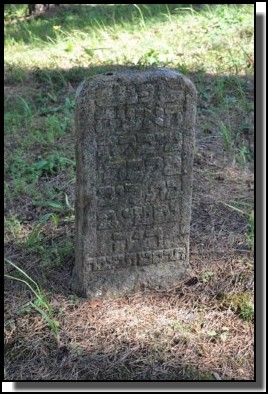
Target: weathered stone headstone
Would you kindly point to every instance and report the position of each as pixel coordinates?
(135, 142)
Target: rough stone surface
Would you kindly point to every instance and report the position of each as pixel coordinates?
(135, 142)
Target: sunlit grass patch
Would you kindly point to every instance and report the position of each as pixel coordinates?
(218, 37)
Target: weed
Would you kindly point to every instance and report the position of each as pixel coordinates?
(212, 334)
(252, 231)
(124, 373)
(13, 226)
(192, 373)
(58, 253)
(51, 204)
(45, 166)
(240, 303)
(55, 128)
(176, 325)
(76, 349)
(73, 299)
(141, 14)
(226, 132)
(35, 236)
(222, 334)
(41, 303)
(59, 206)
(246, 310)
(18, 113)
(150, 58)
(243, 156)
(206, 276)
(250, 216)
(6, 377)
(12, 11)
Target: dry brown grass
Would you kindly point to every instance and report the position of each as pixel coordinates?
(151, 335)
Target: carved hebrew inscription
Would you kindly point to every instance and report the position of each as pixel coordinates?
(135, 138)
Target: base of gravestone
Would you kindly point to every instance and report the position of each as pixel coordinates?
(126, 282)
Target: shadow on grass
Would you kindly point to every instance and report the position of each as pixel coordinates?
(129, 362)
(212, 89)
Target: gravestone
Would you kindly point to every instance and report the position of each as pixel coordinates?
(135, 142)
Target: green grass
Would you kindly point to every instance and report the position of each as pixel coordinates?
(49, 52)
(58, 253)
(241, 303)
(40, 304)
(218, 39)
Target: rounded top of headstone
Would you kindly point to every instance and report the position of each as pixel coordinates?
(137, 76)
